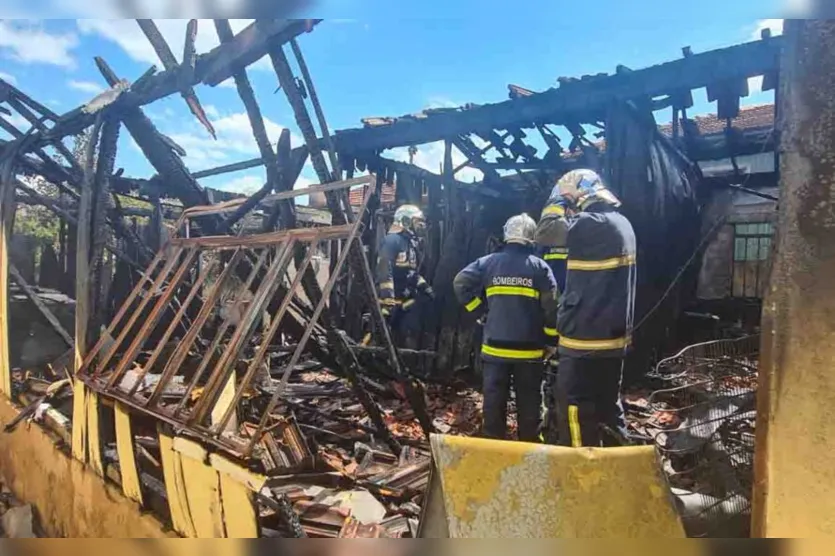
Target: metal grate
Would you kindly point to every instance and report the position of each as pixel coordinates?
(704, 430)
(190, 327)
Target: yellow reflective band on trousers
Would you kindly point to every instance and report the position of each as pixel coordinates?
(574, 426)
(505, 353)
(594, 345)
(387, 285)
(556, 256)
(605, 264)
(551, 332)
(521, 291)
(473, 305)
(562, 492)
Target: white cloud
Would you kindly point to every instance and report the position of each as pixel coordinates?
(247, 184)
(127, 34)
(85, 86)
(442, 102)
(27, 42)
(776, 26)
(431, 156)
(234, 142)
(8, 78)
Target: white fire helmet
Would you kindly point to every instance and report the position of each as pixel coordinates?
(409, 218)
(582, 187)
(520, 229)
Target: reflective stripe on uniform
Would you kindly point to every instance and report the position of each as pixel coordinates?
(555, 256)
(405, 265)
(574, 426)
(605, 264)
(594, 345)
(473, 305)
(553, 209)
(512, 290)
(552, 332)
(512, 353)
(408, 303)
(387, 286)
(421, 281)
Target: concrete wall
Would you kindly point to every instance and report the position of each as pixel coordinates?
(715, 275)
(794, 492)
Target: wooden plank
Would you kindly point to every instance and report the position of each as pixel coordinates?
(94, 445)
(239, 515)
(202, 488)
(174, 487)
(83, 248)
(79, 419)
(570, 100)
(34, 298)
(127, 454)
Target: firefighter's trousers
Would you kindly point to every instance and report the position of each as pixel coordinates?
(588, 396)
(526, 378)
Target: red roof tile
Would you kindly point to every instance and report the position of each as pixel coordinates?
(358, 193)
(751, 117)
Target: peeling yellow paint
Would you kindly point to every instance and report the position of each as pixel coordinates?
(174, 488)
(93, 433)
(79, 418)
(496, 489)
(71, 500)
(127, 457)
(202, 485)
(238, 509)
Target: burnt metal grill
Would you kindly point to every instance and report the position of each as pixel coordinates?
(141, 337)
(704, 431)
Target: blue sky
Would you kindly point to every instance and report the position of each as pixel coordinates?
(375, 63)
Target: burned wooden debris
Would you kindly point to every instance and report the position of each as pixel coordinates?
(236, 322)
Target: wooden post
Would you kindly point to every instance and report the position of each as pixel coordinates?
(7, 208)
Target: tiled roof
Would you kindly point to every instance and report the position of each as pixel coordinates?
(751, 117)
(387, 197)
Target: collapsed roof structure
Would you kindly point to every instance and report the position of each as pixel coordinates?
(162, 339)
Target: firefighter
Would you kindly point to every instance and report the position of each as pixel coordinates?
(596, 312)
(520, 295)
(551, 235)
(401, 288)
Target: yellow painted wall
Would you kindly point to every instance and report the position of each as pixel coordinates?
(71, 500)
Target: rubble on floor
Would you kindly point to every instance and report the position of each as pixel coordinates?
(325, 458)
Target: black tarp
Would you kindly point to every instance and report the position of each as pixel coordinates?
(658, 187)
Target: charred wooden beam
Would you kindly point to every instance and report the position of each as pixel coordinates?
(476, 158)
(249, 46)
(275, 179)
(295, 154)
(41, 306)
(219, 63)
(166, 56)
(317, 108)
(572, 99)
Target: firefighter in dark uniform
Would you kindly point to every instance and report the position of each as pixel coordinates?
(400, 286)
(551, 236)
(596, 312)
(520, 295)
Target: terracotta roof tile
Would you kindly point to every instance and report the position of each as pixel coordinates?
(751, 117)
(387, 197)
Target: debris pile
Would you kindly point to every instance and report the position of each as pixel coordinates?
(325, 459)
(702, 422)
